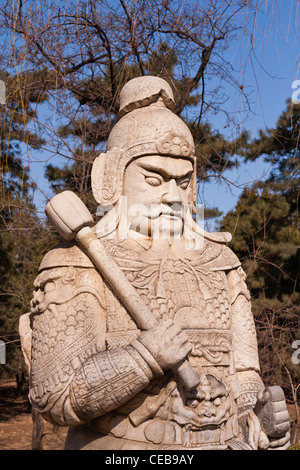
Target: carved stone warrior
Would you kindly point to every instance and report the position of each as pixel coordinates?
(92, 366)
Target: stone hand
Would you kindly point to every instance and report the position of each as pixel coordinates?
(72, 220)
(273, 415)
(167, 343)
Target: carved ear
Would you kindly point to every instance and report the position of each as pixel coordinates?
(104, 176)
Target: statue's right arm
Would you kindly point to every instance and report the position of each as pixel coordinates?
(73, 377)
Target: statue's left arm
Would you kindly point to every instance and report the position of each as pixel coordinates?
(244, 341)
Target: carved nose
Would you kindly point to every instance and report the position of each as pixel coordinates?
(172, 195)
(208, 410)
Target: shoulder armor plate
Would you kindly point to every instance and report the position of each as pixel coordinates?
(65, 254)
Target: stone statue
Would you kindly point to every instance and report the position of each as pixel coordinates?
(140, 334)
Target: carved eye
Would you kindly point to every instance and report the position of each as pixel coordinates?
(49, 286)
(153, 181)
(185, 184)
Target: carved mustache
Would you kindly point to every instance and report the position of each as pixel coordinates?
(162, 210)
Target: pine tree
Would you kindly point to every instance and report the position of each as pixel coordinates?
(90, 130)
(88, 51)
(265, 226)
(22, 234)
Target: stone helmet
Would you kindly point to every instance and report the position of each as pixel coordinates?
(146, 125)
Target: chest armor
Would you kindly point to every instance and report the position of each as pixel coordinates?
(194, 293)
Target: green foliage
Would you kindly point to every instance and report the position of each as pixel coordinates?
(22, 235)
(75, 177)
(265, 226)
(279, 144)
(23, 243)
(215, 153)
(100, 99)
(266, 240)
(295, 447)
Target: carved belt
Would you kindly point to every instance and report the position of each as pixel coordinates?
(161, 432)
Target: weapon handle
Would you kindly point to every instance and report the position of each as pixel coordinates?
(117, 280)
(188, 376)
(72, 219)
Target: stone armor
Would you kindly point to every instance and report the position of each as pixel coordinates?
(89, 371)
(91, 368)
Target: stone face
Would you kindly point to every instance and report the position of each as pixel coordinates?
(120, 306)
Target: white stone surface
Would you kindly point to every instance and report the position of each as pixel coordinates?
(120, 306)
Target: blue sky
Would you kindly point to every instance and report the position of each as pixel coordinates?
(268, 75)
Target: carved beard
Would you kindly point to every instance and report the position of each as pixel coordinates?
(159, 222)
(115, 224)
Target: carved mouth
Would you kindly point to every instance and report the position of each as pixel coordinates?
(171, 216)
(166, 212)
(209, 422)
